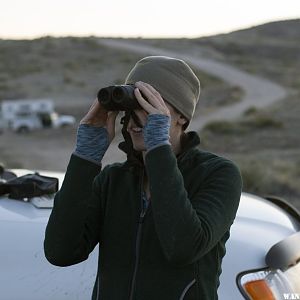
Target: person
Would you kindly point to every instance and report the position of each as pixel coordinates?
(163, 216)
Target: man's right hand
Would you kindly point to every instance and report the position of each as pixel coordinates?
(98, 116)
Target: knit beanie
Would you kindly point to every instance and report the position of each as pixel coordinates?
(172, 78)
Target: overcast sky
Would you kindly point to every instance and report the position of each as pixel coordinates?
(137, 18)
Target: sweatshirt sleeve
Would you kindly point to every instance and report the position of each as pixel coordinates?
(189, 228)
(73, 228)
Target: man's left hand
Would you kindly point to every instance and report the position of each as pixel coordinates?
(154, 103)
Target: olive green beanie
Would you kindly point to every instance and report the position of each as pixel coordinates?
(172, 78)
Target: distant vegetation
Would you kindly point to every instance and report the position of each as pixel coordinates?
(267, 49)
(246, 125)
(265, 145)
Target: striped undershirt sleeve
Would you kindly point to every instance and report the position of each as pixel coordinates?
(92, 143)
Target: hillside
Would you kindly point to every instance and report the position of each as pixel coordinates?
(264, 143)
(266, 49)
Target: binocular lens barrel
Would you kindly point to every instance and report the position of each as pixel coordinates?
(118, 97)
(104, 95)
(119, 93)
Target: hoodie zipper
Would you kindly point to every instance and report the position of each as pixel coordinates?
(138, 242)
(186, 289)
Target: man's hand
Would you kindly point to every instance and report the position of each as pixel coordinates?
(154, 103)
(155, 115)
(98, 116)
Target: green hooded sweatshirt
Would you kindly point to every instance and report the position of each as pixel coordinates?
(171, 251)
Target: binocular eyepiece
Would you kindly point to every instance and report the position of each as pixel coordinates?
(118, 97)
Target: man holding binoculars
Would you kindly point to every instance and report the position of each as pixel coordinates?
(163, 216)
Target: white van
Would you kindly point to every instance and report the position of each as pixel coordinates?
(27, 115)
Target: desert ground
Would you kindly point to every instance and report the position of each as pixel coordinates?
(251, 117)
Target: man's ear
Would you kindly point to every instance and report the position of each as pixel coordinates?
(182, 120)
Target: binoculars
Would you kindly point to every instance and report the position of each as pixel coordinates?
(118, 97)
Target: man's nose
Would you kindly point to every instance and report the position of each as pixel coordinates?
(131, 121)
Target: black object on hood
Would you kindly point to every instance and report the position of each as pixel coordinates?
(28, 186)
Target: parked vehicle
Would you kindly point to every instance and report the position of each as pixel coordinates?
(61, 120)
(27, 115)
(25, 122)
(262, 259)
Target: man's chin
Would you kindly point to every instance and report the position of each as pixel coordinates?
(139, 148)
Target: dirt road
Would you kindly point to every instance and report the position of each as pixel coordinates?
(258, 91)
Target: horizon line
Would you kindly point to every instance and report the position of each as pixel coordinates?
(137, 36)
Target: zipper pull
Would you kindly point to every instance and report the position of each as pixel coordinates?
(142, 215)
(144, 207)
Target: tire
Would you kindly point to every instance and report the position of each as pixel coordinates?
(23, 129)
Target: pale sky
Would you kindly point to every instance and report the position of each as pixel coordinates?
(137, 18)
